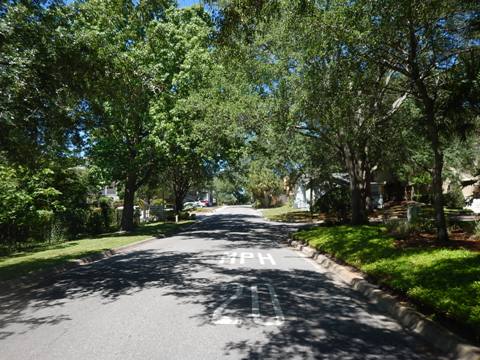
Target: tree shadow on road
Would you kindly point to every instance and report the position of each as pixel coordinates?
(238, 231)
(323, 319)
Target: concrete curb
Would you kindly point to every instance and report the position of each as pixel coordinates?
(433, 333)
(39, 276)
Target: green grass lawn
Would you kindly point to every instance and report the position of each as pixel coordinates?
(447, 280)
(206, 209)
(43, 256)
(287, 213)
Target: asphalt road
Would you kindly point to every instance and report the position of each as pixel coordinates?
(225, 289)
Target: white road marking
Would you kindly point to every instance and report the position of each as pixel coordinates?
(279, 318)
(224, 258)
(231, 257)
(245, 255)
(268, 256)
(218, 318)
(255, 304)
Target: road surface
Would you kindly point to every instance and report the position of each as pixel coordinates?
(225, 289)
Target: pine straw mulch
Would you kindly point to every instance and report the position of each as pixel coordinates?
(458, 239)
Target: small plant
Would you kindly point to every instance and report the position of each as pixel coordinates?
(95, 221)
(108, 212)
(400, 228)
(454, 199)
(57, 231)
(476, 229)
(335, 201)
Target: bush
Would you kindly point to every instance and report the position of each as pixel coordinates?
(402, 229)
(335, 201)
(108, 212)
(183, 215)
(58, 231)
(28, 204)
(476, 229)
(423, 198)
(95, 221)
(454, 198)
(136, 216)
(158, 202)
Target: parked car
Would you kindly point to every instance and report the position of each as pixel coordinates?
(200, 204)
(205, 202)
(190, 205)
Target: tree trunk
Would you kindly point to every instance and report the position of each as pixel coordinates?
(438, 202)
(437, 181)
(178, 202)
(358, 193)
(128, 202)
(359, 212)
(180, 191)
(369, 204)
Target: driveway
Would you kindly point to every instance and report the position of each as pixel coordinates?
(225, 289)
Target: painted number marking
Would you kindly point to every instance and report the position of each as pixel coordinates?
(277, 320)
(231, 258)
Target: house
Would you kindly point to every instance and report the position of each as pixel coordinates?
(470, 185)
(305, 195)
(205, 195)
(110, 191)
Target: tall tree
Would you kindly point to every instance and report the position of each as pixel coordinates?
(39, 92)
(299, 54)
(144, 51)
(426, 42)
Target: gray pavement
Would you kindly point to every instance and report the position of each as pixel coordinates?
(226, 289)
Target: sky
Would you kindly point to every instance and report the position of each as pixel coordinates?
(183, 3)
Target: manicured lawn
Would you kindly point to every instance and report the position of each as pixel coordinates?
(447, 280)
(287, 214)
(206, 209)
(46, 255)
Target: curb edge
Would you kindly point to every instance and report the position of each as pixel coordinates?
(410, 319)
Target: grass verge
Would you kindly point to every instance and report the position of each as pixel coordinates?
(43, 256)
(287, 214)
(446, 280)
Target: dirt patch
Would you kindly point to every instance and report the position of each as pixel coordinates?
(459, 239)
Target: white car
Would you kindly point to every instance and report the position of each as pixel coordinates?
(190, 205)
(200, 204)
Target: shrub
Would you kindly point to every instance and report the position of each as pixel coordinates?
(423, 198)
(183, 215)
(454, 198)
(402, 229)
(335, 201)
(58, 231)
(158, 202)
(136, 216)
(476, 229)
(108, 212)
(95, 221)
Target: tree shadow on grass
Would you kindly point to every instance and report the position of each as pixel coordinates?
(446, 285)
(439, 280)
(42, 263)
(323, 319)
